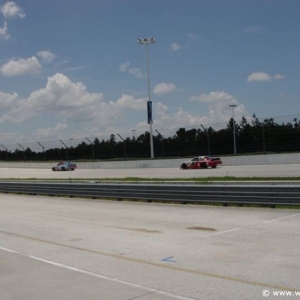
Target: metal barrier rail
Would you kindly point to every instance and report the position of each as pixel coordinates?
(260, 194)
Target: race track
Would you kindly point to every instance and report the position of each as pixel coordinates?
(287, 170)
(56, 248)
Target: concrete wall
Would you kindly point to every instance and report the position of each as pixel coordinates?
(268, 159)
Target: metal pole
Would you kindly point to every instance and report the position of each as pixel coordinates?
(234, 143)
(148, 41)
(149, 99)
(133, 130)
(66, 148)
(23, 151)
(43, 149)
(92, 148)
(124, 146)
(162, 143)
(6, 152)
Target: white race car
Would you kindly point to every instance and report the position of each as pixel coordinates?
(64, 166)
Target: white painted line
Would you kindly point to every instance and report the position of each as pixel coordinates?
(235, 229)
(221, 232)
(291, 216)
(150, 290)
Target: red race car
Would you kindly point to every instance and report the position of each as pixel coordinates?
(201, 162)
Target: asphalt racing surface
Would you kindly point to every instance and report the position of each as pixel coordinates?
(220, 171)
(58, 248)
(54, 248)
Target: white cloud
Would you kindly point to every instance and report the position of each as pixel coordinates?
(11, 10)
(46, 55)
(164, 88)
(129, 102)
(218, 106)
(124, 67)
(50, 131)
(259, 76)
(7, 101)
(278, 76)
(263, 77)
(175, 47)
(71, 105)
(191, 36)
(136, 72)
(214, 97)
(133, 71)
(71, 101)
(3, 32)
(22, 66)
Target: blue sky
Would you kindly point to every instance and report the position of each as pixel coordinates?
(73, 68)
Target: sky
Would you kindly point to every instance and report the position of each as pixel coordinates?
(73, 68)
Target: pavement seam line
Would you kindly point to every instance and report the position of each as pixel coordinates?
(153, 264)
(151, 290)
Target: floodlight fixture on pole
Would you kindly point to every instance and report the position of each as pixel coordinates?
(147, 42)
(233, 125)
(133, 130)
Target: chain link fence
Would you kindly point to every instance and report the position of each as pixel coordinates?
(252, 135)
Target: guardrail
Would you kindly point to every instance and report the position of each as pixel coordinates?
(254, 194)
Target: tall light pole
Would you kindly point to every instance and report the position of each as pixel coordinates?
(147, 42)
(233, 125)
(133, 130)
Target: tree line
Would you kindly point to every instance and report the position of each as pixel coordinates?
(265, 136)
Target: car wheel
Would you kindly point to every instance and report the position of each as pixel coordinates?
(72, 169)
(214, 166)
(63, 169)
(53, 169)
(203, 165)
(184, 166)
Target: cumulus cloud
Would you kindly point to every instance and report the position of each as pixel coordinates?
(21, 66)
(69, 100)
(11, 10)
(263, 77)
(219, 96)
(50, 131)
(164, 88)
(133, 71)
(175, 47)
(7, 101)
(4, 32)
(46, 55)
(129, 102)
(218, 105)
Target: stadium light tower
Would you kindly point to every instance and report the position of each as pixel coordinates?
(147, 42)
(233, 125)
